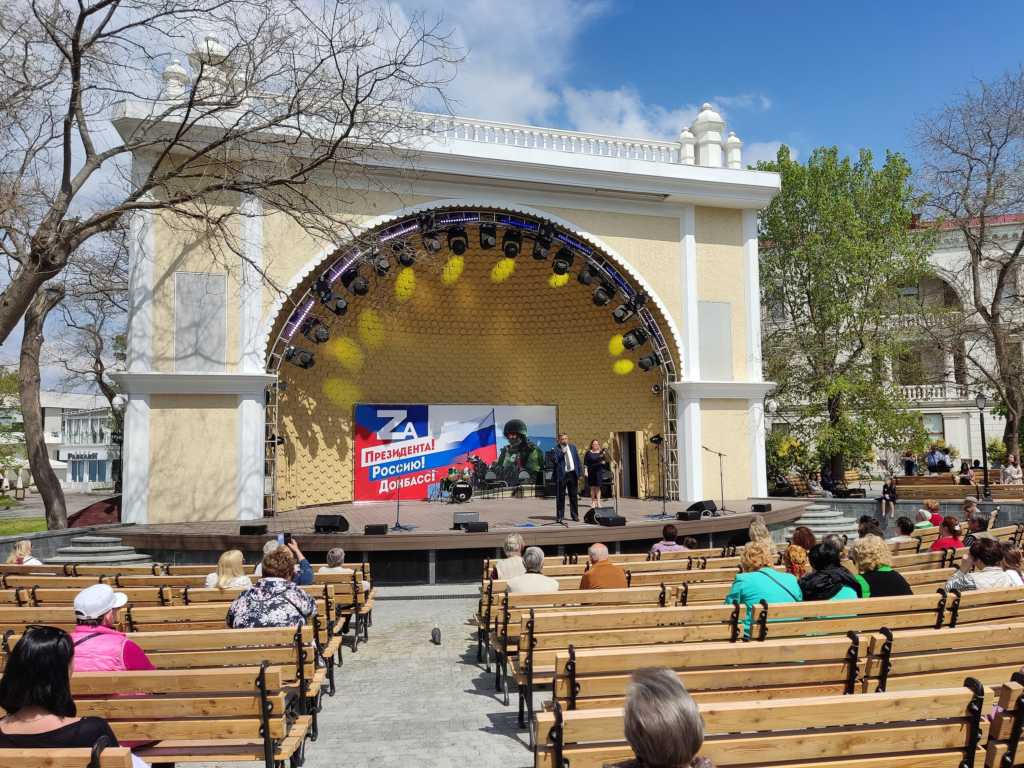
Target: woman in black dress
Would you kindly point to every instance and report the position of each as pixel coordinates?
(595, 463)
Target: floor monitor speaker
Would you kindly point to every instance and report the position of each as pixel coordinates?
(330, 524)
(376, 530)
(605, 516)
(610, 521)
(476, 527)
(461, 519)
(252, 530)
(761, 508)
(688, 515)
(703, 506)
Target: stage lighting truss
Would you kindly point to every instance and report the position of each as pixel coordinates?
(587, 274)
(563, 261)
(650, 361)
(331, 301)
(635, 339)
(429, 235)
(542, 243)
(404, 253)
(629, 307)
(488, 236)
(511, 243)
(355, 283)
(314, 329)
(458, 240)
(603, 294)
(378, 262)
(299, 357)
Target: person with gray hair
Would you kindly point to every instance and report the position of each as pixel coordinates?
(977, 527)
(602, 573)
(533, 580)
(661, 721)
(336, 564)
(269, 547)
(512, 565)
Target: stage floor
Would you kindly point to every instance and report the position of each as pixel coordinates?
(432, 523)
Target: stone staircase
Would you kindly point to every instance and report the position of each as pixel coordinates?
(823, 520)
(98, 550)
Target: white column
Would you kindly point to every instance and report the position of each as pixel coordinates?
(688, 279)
(758, 464)
(691, 466)
(251, 415)
(752, 295)
(135, 466)
(139, 356)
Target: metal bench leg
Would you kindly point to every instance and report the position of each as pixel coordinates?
(522, 706)
(330, 675)
(504, 679)
(497, 670)
(479, 645)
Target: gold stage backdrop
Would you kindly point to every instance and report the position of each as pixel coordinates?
(470, 329)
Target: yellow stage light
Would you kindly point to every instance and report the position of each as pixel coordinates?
(623, 366)
(557, 281)
(371, 329)
(452, 270)
(615, 347)
(346, 351)
(342, 392)
(405, 284)
(503, 270)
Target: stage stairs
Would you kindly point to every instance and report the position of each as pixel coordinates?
(823, 520)
(98, 550)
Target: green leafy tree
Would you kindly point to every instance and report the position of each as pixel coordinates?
(837, 250)
(12, 438)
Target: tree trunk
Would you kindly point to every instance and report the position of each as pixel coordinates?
(21, 292)
(32, 412)
(838, 460)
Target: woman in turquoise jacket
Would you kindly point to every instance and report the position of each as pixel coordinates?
(758, 581)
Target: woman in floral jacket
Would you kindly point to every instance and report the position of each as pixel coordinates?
(275, 601)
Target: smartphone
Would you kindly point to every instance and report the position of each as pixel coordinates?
(280, 539)
(287, 538)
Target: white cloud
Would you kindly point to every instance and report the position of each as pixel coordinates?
(623, 113)
(764, 150)
(752, 101)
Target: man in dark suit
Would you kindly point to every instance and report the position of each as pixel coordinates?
(568, 471)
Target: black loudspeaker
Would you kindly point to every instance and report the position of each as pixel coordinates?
(375, 530)
(330, 524)
(688, 515)
(252, 530)
(476, 527)
(701, 506)
(761, 508)
(603, 516)
(461, 519)
(610, 522)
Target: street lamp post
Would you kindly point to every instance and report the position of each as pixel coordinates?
(980, 401)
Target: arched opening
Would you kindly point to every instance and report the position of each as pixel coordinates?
(458, 305)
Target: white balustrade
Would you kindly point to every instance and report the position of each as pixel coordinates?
(923, 393)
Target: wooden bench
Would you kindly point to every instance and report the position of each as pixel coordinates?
(942, 728)
(100, 756)
(984, 606)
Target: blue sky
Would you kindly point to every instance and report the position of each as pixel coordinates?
(804, 73)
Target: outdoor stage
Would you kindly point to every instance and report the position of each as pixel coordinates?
(432, 526)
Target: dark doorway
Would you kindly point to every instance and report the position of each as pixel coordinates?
(627, 464)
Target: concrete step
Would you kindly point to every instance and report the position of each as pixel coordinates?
(816, 508)
(95, 551)
(113, 560)
(825, 514)
(96, 541)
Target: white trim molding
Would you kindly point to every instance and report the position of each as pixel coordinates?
(690, 356)
(249, 457)
(139, 343)
(250, 288)
(135, 467)
(758, 462)
(161, 383)
(752, 295)
(691, 459)
(724, 390)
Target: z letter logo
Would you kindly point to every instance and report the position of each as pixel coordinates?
(387, 432)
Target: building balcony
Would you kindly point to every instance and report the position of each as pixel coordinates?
(935, 393)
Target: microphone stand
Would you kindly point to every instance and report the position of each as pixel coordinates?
(398, 511)
(721, 475)
(664, 496)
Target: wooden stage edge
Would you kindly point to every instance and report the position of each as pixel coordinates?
(433, 524)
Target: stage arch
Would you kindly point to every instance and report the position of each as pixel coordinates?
(471, 328)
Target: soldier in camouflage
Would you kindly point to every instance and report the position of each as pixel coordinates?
(520, 453)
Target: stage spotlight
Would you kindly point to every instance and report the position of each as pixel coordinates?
(488, 236)
(378, 262)
(458, 241)
(299, 357)
(656, 389)
(649, 361)
(331, 301)
(587, 274)
(629, 307)
(512, 243)
(603, 294)
(355, 283)
(657, 440)
(541, 248)
(429, 234)
(404, 253)
(563, 261)
(635, 339)
(314, 330)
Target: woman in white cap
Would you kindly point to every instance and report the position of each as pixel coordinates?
(98, 646)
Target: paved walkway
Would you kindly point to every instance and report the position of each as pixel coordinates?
(32, 505)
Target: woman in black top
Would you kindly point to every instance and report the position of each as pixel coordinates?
(36, 693)
(877, 578)
(595, 463)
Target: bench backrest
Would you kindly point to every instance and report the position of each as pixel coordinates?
(108, 757)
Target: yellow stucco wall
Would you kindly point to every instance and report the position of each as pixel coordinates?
(192, 458)
(720, 273)
(725, 427)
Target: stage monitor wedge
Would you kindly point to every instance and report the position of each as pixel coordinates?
(605, 516)
(688, 515)
(376, 530)
(476, 527)
(761, 508)
(330, 524)
(462, 519)
(252, 530)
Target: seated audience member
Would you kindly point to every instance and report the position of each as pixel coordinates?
(230, 573)
(987, 556)
(877, 578)
(35, 692)
(603, 573)
(303, 570)
(269, 547)
(757, 531)
(661, 722)
(830, 580)
(977, 527)
(336, 564)
(757, 580)
(98, 646)
(1010, 474)
(690, 543)
(949, 535)
(923, 519)
(904, 527)
(22, 554)
(1012, 564)
(814, 486)
(933, 510)
(668, 541)
(970, 506)
(966, 474)
(794, 557)
(838, 544)
(275, 601)
(828, 482)
(889, 496)
(533, 580)
(782, 486)
(869, 528)
(512, 564)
